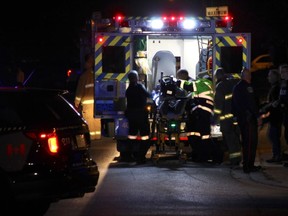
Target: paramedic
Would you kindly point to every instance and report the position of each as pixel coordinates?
(199, 122)
(84, 96)
(223, 115)
(245, 109)
(183, 74)
(137, 115)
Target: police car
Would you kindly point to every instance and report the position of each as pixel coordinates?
(44, 150)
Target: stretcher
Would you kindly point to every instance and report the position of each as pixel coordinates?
(169, 120)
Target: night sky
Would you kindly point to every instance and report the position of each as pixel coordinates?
(49, 31)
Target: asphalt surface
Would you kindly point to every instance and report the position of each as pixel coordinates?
(271, 173)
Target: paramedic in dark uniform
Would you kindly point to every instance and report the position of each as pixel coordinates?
(137, 115)
(223, 115)
(245, 109)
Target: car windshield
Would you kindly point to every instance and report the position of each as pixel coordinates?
(36, 109)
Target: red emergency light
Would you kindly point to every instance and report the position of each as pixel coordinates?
(227, 18)
(240, 40)
(100, 39)
(69, 72)
(171, 21)
(118, 18)
(224, 22)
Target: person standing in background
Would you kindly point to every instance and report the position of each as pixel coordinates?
(245, 109)
(223, 115)
(84, 96)
(272, 109)
(137, 116)
(283, 70)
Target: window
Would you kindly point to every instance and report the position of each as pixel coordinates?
(231, 59)
(113, 59)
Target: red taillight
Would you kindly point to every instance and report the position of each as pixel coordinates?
(52, 141)
(53, 144)
(49, 138)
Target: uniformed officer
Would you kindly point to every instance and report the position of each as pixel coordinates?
(137, 115)
(245, 108)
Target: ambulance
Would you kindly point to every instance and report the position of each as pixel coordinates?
(155, 45)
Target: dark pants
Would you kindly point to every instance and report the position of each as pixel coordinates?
(131, 150)
(199, 122)
(138, 122)
(231, 138)
(249, 139)
(274, 134)
(138, 125)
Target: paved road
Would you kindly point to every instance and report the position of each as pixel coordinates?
(172, 188)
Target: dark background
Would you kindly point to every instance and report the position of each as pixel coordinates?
(43, 37)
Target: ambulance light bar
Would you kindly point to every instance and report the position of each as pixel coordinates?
(180, 23)
(171, 24)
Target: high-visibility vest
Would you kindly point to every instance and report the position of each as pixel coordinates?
(202, 90)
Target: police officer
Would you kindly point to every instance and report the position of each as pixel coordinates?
(137, 115)
(245, 108)
(223, 115)
(84, 96)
